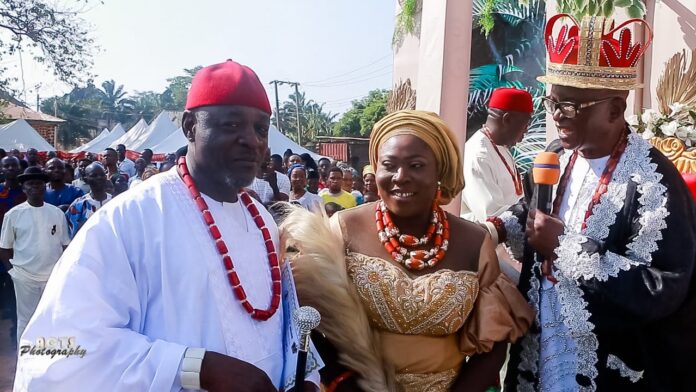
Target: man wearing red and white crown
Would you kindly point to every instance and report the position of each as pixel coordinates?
(614, 287)
(198, 304)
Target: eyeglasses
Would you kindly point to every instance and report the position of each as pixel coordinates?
(568, 109)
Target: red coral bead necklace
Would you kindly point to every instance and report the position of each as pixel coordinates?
(397, 244)
(237, 289)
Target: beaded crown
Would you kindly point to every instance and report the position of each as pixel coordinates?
(588, 54)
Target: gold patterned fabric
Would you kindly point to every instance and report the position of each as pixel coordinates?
(433, 304)
(431, 382)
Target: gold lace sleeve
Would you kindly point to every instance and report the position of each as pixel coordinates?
(500, 313)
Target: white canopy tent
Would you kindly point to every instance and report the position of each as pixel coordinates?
(176, 139)
(133, 134)
(279, 143)
(101, 145)
(161, 128)
(104, 133)
(20, 135)
(172, 143)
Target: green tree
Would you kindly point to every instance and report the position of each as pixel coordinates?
(314, 121)
(81, 109)
(174, 97)
(147, 104)
(362, 116)
(51, 32)
(317, 122)
(115, 106)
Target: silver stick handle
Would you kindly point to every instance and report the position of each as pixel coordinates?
(307, 318)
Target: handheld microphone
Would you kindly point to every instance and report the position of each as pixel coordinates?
(307, 318)
(546, 172)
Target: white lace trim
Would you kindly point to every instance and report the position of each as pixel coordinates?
(577, 264)
(576, 318)
(515, 234)
(529, 357)
(613, 362)
(573, 263)
(636, 166)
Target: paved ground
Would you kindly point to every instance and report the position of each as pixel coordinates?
(8, 358)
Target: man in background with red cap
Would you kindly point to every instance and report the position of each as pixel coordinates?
(492, 182)
(196, 306)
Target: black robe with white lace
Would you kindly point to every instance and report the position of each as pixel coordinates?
(626, 284)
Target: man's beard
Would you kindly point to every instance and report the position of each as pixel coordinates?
(236, 181)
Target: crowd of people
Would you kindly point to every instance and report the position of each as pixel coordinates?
(178, 282)
(326, 184)
(74, 190)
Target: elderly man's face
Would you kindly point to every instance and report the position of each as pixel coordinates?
(34, 189)
(592, 125)
(55, 168)
(10, 167)
(229, 142)
(95, 177)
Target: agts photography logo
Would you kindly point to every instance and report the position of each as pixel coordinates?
(65, 346)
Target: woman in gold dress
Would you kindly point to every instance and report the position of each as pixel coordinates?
(411, 297)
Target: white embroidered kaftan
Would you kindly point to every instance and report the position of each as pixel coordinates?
(141, 282)
(488, 187)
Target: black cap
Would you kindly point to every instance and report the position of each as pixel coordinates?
(33, 173)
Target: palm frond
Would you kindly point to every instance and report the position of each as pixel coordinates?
(402, 97)
(486, 78)
(678, 82)
(532, 144)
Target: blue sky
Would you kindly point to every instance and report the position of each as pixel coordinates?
(337, 49)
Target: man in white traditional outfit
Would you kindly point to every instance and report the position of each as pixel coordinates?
(613, 280)
(125, 165)
(176, 284)
(492, 181)
(32, 239)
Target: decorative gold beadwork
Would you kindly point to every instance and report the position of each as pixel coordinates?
(431, 382)
(582, 76)
(434, 304)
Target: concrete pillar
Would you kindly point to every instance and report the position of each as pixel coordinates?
(443, 67)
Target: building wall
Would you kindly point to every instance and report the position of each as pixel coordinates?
(46, 130)
(360, 153)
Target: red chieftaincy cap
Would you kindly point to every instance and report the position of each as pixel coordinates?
(511, 99)
(227, 83)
